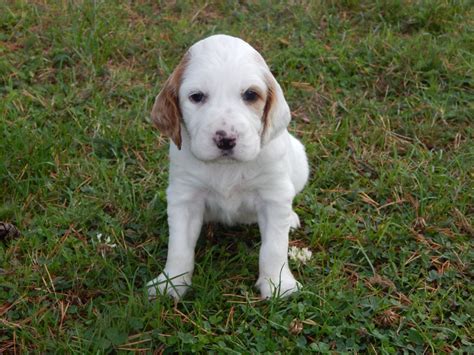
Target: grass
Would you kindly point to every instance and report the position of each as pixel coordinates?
(382, 96)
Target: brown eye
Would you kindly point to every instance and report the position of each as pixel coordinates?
(197, 97)
(250, 96)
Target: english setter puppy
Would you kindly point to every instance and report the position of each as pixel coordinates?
(232, 159)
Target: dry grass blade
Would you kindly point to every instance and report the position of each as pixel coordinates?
(463, 223)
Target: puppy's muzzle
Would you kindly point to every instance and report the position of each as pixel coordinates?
(224, 141)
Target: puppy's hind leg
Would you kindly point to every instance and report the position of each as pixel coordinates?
(294, 221)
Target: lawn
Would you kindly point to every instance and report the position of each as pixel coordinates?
(382, 96)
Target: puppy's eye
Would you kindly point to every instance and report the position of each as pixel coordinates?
(250, 96)
(197, 97)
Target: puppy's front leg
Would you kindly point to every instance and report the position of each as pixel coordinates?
(274, 220)
(185, 216)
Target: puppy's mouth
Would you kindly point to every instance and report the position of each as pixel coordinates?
(223, 157)
(228, 154)
(226, 157)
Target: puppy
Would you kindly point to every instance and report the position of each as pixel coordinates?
(232, 159)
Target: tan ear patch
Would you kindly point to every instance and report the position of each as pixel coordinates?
(166, 113)
(270, 101)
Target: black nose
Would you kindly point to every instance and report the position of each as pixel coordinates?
(226, 143)
(223, 142)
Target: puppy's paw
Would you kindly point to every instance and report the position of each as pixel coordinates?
(164, 284)
(277, 287)
(294, 221)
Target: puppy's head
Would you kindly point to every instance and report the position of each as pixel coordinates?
(222, 96)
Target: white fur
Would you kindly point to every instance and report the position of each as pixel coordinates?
(256, 183)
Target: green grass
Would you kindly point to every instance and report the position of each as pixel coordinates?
(382, 95)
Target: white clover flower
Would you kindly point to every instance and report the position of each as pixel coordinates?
(105, 245)
(107, 241)
(300, 255)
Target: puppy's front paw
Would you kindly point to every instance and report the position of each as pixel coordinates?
(278, 287)
(174, 286)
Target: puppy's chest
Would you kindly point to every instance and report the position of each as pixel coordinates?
(231, 201)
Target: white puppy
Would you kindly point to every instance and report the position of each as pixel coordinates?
(232, 161)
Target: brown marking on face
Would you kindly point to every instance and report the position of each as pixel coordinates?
(166, 113)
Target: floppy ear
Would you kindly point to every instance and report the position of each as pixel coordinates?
(276, 114)
(166, 113)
